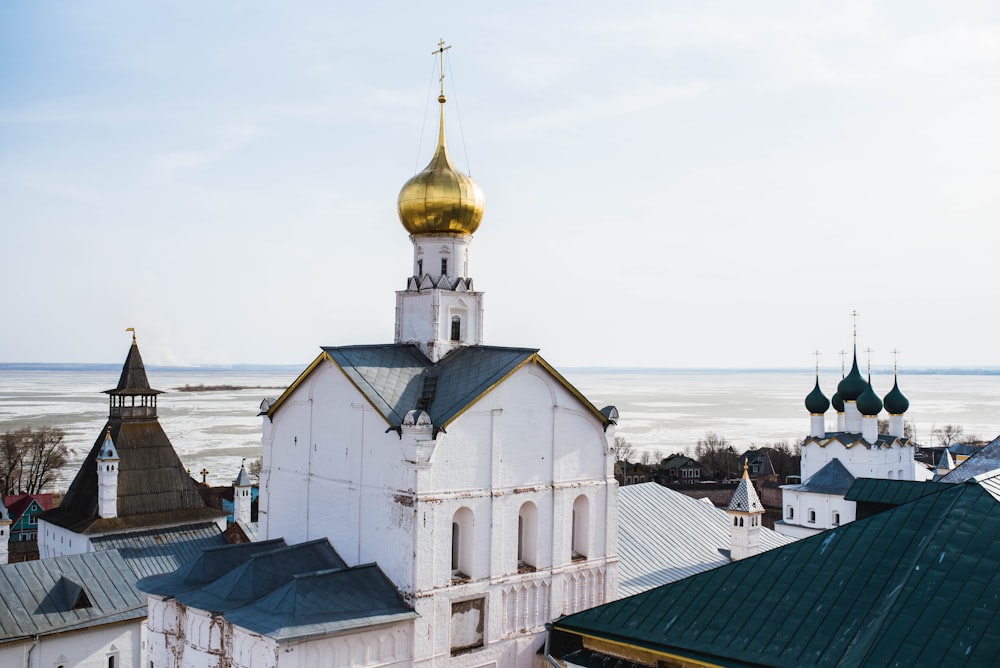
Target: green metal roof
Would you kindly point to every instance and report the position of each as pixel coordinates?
(891, 492)
(851, 596)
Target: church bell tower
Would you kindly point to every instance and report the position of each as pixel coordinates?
(441, 208)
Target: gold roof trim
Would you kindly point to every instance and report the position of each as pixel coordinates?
(638, 654)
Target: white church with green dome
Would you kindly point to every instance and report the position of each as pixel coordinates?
(832, 460)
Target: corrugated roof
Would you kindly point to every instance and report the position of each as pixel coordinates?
(161, 550)
(833, 478)
(664, 536)
(44, 596)
(891, 492)
(850, 596)
(987, 459)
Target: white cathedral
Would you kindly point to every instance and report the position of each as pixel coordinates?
(832, 460)
(434, 501)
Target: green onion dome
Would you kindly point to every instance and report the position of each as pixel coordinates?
(816, 401)
(868, 403)
(851, 387)
(838, 403)
(895, 402)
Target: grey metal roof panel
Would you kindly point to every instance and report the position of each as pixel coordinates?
(987, 459)
(161, 550)
(261, 574)
(207, 566)
(394, 377)
(664, 536)
(37, 597)
(848, 596)
(834, 478)
(324, 602)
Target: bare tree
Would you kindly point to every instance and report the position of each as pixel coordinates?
(30, 459)
(256, 466)
(623, 449)
(908, 430)
(948, 434)
(716, 455)
(646, 458)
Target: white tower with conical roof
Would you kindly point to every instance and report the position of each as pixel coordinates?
(242, 495)
(746, 511)
(107, 478)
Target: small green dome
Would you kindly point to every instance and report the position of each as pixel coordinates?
(895, 402)
(851, 387)
(838, 403)
(868, 403)
(816, 401)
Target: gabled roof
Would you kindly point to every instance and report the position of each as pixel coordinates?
(890, 492)
(677, 461)
(283, 591)
(850, 596)
(762, 458)
(65, 593)
(834, 478)
(986, 459)
(324, 602)
(398, 378)
(260, 575)
(18, 503)
(154, 489)
(664, 536)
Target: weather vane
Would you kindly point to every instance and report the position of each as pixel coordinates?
(131, 329)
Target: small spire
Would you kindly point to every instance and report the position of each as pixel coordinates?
(746, 467)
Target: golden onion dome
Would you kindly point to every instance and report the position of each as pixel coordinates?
(441, 199)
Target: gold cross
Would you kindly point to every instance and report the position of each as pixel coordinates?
(440, 51)
(817, 354)
(204, 474)
(869, 351)
(854, 317)
(895, 353)
(843, 369)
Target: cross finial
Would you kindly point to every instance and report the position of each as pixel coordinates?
(817, 354)
(204, 475)
(440, 52)
(869, 350)
(895, 354)
(854, 318)
(843, 370)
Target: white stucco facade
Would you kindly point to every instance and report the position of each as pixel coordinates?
(528, 457)
(91, 647)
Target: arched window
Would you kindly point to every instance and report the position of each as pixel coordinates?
(791, 513)
(836, 519)
(461, 543)
(736, 522)
(527, 537)
(456, 328)
(812, 516)
(581, 527)
(741, 521)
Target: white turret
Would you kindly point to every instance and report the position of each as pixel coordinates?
(242, 495)
(107, 478)
(746, 511)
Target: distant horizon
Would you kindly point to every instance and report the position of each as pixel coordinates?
(984, 370)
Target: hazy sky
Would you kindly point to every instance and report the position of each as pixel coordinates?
(668, 183)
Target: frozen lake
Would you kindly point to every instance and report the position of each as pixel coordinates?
(661, 410)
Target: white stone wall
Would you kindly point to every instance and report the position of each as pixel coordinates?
(529, 440)
(894, 463)
(827, 508)
(55, 541)
(89, 648)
